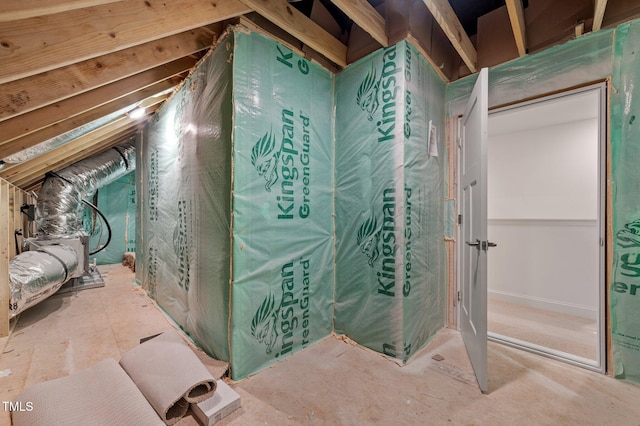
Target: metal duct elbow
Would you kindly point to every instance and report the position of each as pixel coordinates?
(59, 208)
(35, 275)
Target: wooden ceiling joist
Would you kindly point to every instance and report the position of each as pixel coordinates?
(51, 114)
(28, 94)
(304, 29)
(12, 10)
(367, 18)
(598, 15)
(516, 16)
(64, 126)
(35, 45)
(450, 24)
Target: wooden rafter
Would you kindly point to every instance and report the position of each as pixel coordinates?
(598, 15)
(28, 172)
(450, 24)
(12, 10)
(28, 94)
(32, 46)
(304, 29)
(51, 114)
(64, 126)
(367, 18)
(516, 16)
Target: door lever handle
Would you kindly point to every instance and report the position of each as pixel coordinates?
(484, 245)
(476, 244)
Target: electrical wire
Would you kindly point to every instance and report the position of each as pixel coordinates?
(106, 222)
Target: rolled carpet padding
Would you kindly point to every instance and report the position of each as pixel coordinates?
(169, 375)
(100, 395)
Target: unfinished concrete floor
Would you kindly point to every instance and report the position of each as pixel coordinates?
(331, 382)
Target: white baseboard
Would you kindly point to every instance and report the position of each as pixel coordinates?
(546, 304)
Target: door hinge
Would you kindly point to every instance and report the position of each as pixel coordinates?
(459, 296)
(459, 219)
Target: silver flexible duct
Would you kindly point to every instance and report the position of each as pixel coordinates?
(35, 275)
(59, 208)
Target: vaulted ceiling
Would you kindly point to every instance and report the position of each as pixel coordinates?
(66, 63)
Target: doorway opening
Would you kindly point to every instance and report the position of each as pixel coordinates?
(546, 198)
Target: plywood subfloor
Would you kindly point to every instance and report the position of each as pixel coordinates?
(331, 382)
(72, 331)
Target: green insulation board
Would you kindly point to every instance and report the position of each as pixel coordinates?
(183, 247)
(624, 293)
(389, 183)
(117, 202)
(282, 203)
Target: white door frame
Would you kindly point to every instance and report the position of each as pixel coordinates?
(600, 364)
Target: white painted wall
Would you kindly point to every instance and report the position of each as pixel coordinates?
(543, 211)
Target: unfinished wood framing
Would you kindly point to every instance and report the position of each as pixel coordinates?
(516, 16)
(5, 293)
(12, 10)
(32, 46)
(28, 94)
(148, 96)
(11, 199)
(51, 114)
(449, 22)
(28, 172)
(367, 18)
(304, 29)
(598, 14)
(609, 233)
(450, 243)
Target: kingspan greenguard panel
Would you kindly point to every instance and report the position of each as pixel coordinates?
(389, 292)
(625, 154)
(425, 168)
(282, 203)
(185, 203)
(117, 202)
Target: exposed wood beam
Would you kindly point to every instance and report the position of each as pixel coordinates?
(71, 157)
(64, 126)
(367, 18)
(5, 294)
(516, 16)
(42, 117)
(450, 24)
(27, 94)
(12, 10)
(304, 29)
(32, 46)
(418, 45)
(31, 171)
(598, 15)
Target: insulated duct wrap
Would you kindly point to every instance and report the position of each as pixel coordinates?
(59, 208)
(37, 274)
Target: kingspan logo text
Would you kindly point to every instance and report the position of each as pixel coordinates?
(288, 163)
(370, 237)
(375, 90)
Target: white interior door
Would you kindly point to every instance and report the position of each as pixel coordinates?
(473, 291)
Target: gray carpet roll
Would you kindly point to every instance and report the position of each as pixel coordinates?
(169, 375)
(100, 395)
